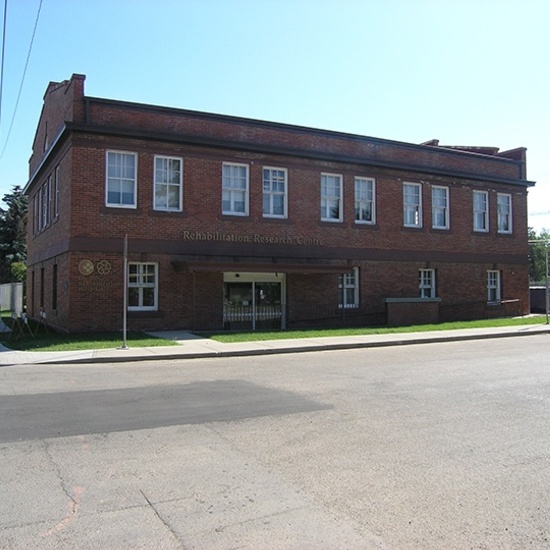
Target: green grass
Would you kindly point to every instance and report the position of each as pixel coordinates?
(230, 337)
(53, 341)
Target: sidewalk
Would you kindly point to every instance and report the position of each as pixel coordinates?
(191, 346)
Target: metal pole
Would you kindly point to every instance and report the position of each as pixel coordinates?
(547, 302)
(125, 297)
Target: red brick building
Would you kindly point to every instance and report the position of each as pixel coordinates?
(237, 223)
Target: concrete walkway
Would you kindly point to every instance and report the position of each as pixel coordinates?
(191, 346)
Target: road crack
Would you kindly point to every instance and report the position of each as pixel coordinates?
(163, 521)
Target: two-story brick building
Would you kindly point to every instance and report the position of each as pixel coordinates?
(232, 222)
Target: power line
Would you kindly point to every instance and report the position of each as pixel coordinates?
(22, 78)
(3, 55)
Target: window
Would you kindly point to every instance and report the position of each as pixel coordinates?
(426, 284)
(440, 207)
(364, 200)
(235, 189)
(142, 286)
(481, 211)
(41, 288)
(274, 193)
(493, 286)
(54, 287)
(121, 179)
(45, 206)
(504, 209)
(36, 212)
(168, 184)
(56, 193)
(348, 289)
(331, 197)
(412, 205)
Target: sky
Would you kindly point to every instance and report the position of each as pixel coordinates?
(466, 72)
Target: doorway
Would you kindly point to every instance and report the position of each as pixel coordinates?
(254, 301)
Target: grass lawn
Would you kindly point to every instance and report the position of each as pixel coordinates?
(318, 333)
(53, 341)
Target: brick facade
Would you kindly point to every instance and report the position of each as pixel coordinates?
(76, 240)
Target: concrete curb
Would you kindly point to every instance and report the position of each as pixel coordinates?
(101, 356)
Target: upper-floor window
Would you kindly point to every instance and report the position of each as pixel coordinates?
(504, 209)
(36, 212)
(493, 286)
(426, 283)
(364, 200)
(56, 193)
(348, 289)
(142, 286)
(481, 211)
(46, 194)
(235, 189)
(168, 183)
(440, 207)
(274, 192)
(412, 205)
(121, 179)
(331, 197)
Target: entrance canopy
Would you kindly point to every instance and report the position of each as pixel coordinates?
(271, 267)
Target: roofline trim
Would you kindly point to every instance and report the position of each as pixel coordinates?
(291, 152)
(293, 127)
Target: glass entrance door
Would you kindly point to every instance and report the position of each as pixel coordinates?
(253, 304)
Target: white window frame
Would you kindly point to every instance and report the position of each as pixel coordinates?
(412, 210)
(138, 280)
(113, 179)
(46, 203)
(426, 283)
(232, 191)
(56, 193)
(440, 209)
(481, 211)
(365, 200)
(165, 184)
(332, 196)
(504, 213)
(36, 212)
(494, 286)
(348, 282)
(270, 178)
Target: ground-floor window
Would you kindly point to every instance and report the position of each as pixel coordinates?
(348, 289)
(142, 286)
(426, 285)
(493, 286)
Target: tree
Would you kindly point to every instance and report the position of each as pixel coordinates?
(13, 235)
(537, 255)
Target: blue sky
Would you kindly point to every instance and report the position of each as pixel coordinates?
(466, 72)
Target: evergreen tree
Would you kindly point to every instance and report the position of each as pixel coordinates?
(13, 236)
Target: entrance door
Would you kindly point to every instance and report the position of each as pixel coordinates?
(253, 301)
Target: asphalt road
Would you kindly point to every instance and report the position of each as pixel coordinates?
(431, 446)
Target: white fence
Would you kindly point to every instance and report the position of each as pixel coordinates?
(11, 297)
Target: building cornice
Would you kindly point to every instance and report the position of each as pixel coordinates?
(259, 148)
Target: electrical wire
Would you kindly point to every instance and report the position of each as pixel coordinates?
(3, 55)
(22, 78)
